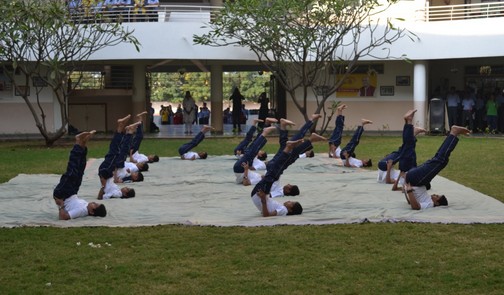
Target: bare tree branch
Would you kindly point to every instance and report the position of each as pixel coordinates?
(47, 42)
(305, 42)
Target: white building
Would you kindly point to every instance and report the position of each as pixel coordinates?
(455, 41)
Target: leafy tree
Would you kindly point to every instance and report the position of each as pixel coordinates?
(305, 42)
(172, 86)
(46, 41)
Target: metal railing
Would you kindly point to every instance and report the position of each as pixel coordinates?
(205, 13)
(464, 11)
(103, 77)
(161, 13)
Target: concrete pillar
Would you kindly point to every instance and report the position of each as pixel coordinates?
(216, 98)
(139, 98)
(420, 100)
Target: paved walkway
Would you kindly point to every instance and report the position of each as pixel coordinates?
(177, 131)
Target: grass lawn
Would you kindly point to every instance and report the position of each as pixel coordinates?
(384, 258)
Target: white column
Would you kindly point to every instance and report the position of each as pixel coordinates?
(216, 98)
(138, 100)
(420, 99)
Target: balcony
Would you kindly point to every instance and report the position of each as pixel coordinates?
(464, 11)
(161, 13)
(205, 13)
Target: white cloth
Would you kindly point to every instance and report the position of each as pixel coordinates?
(258, 164)
(131, 166)
(190, 155)
(382, 175)
(303, 155)
(140, 158)
(273, 206)
(253, 177)
(189, 112)
(401, 181)
(422, 197)
(24, 199)
(76, 207)
(126, 170)
(122, 173)
(354, 162)
(111, 189)
(337, 153)
(276, 190)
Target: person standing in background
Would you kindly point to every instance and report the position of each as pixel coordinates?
(188, 105)
(491, 112)
(452, 102)
(263, 110)
(499, 101)
(237, 99)
(467, 110)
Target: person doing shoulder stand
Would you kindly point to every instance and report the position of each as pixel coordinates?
(407, 158)
(417, 178)
(135, 156)
(283, 159)
(185, 149)
(347, 154)
(261, 192)
(246, 160)
(65, 194)
(118, 151)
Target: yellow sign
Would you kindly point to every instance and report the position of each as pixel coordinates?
(357, 85)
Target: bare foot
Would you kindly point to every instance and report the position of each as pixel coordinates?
(284, 123)
(130, 129)
(90, 134)
(341, 108)
(206, 128)
(139, 116)
(83, 137)
(314, 137)
(408, 117)
(121, 123)
(257, 121)
(268, 130)
(366, 121)
(419, 130)
(456, 130)
(289, 145)
(315, 117)
(271, 120)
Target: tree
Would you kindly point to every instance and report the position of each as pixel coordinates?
(309, 45)
(44, 42)
(172, 86)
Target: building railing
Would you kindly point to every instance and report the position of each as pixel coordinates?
(103, 77)
(205, 13)
(464, 11)
(161, 13)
